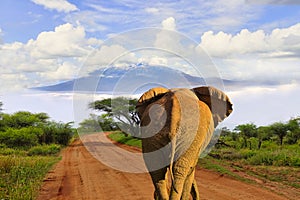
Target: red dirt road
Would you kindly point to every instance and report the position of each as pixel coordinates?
(79, 175)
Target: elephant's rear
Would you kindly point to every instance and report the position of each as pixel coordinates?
(174, 125)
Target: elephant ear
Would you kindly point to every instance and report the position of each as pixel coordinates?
(218, 102)
(149, 97)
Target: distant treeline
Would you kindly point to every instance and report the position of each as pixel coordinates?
(25, 129)
(253, 137)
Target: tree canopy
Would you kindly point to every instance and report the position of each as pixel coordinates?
(252, 136)
(122, 112)
(25, 129)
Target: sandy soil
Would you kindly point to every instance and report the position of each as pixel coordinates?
(79, 175)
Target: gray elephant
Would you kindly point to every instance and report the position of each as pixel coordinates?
(176, 126)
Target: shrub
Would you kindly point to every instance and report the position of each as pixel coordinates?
(277, 158)
(58, 133)
(7, 151)
(232, 154)
(44, 150)
(271, 145)
(24, 137)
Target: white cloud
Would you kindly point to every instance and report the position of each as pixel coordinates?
(53, 56)
(91, 20)
(196, 17)
(65, 71)
(245, 42)
(152, 10)
(257, 57)
(158, 61)
(1, 35)
(58, 55)
(13, 82)
(264, 105)
(59, 5)
(66, 40)
(167, 39)
(169, 24)
(108, 55)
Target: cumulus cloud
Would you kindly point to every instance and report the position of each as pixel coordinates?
(167, 39)
(256, 57)
(284, 41)
(107, 55)
(66, 40)
(59, 5)
(13, 82)
(169, 24)
(51, 57)
(261, 104)
(64, 71)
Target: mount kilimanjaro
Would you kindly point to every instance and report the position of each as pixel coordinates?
(134, 79)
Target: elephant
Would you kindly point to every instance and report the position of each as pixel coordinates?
(176, 125)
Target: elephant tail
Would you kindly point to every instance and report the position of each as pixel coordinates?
(173, 148)
(174, 125)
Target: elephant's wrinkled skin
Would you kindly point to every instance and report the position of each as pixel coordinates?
(176, 125)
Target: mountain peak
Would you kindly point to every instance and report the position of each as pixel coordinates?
(140, 76)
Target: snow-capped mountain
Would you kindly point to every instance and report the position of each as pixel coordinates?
(134, 79)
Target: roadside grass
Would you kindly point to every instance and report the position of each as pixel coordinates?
(120, 137)
(22, 176)
(285, 175)
(279, 165)
(221, 168)
(285, 156)
(22, 171)
(44, 150)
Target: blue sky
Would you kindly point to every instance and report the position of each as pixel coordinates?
(24, 20)
(44, 42)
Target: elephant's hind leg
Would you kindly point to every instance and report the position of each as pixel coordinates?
(178, 184)
(160, 183)
(190, 187)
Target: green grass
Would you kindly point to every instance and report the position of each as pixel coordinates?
(284, 156)
(128, 140)
(284, 175)
(44, 150)
(219, 167)
(21, 177)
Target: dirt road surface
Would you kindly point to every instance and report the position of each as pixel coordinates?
(79, 175)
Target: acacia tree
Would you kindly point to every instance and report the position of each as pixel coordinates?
(280, 130)
(247, 131)
(263, 133)
(293, 134)
(97, 123)
(121, 110)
